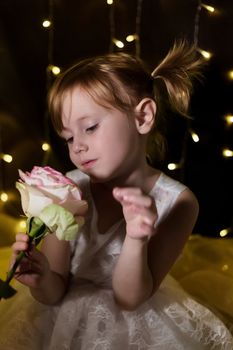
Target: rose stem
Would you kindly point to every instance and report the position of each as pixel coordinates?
(32, 234)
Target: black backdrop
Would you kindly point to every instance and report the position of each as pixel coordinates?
(85, 28)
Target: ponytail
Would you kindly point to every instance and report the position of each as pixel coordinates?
(177, 71)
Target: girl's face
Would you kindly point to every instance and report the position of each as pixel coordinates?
(103, 143)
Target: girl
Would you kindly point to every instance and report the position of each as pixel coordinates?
(111, 288)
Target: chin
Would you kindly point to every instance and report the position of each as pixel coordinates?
(95, 179)
(101, 178)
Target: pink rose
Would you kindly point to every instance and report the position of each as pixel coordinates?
(52, 202)
(44, 186)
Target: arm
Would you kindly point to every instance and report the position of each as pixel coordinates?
(147, 254)
(53, 285)
(132, 279)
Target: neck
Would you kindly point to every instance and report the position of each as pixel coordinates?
(142, 176)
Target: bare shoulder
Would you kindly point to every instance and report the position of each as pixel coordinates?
(188, 201)
(181, 218)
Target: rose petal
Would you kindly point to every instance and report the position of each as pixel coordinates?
(34, 201)
(61, 220)
(74, 206)
(24, 195)
(47, 193)
(60, 191)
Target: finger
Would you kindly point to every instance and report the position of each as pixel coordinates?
(19, 246)
(35, 255)
(32, 266)
(137, 199)
(23, 266)
(123, 191)
(28, 267)
(22, 237)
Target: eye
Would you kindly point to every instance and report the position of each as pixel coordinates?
(91, 128)
(69, 140)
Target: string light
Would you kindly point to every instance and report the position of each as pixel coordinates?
(230, 74)
(54, 69)
(4, 197)
(225, 267)
(194, 136)
(173, 166)
(50, 71)
(22, 224)
(224, 232)
(208, 8)
(229, 119)
(112, 27)
(227, 153)
(206, 54)
(6, 157)
(118, 43)
(46, 147)
(131, 38)
(138, 27)
(46, 23)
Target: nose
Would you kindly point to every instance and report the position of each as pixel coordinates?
(79, 146)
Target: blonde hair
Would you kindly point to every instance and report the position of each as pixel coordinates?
(121, 81)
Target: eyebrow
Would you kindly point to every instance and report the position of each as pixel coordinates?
(78, 120)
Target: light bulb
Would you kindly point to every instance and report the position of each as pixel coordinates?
(4, 197)
(7, 158)
(206, 54)
(227, 153)
(45, 147)
(224, 232)
(208, 7)
(54, 69)
(130, 38)
(118, 43)
(195, 137)
(229, 119)
(46, 23)
(22, 224)
(230, 74)
(173, 166)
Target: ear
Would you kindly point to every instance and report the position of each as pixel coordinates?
(145, 115)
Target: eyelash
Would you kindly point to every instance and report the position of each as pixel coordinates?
(69, 140)
(91, 128)
(87, 130)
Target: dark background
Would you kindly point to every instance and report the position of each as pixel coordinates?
(85, 28)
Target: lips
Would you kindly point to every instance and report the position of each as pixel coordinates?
(88, 163)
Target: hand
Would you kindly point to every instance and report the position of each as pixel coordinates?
(34, 267)
(139, 211)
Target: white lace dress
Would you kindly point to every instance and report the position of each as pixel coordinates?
(89, 319)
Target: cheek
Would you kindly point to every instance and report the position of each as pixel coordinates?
(72, 157)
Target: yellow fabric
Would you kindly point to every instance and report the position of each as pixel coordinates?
(5, 254)
(205, 270)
